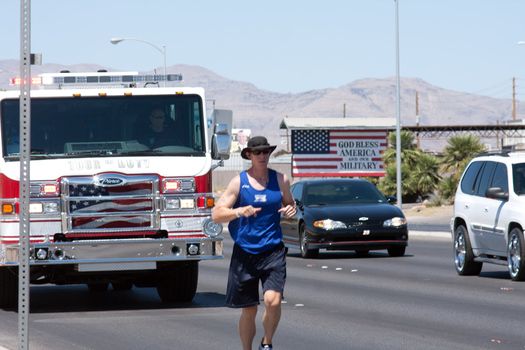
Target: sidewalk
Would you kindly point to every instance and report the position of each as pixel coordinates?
(437, 219)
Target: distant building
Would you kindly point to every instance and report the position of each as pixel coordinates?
(509, 141)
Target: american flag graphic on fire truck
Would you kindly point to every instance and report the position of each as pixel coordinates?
(129, 205)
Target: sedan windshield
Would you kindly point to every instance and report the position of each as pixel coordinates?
(342, 193)
(63, 127)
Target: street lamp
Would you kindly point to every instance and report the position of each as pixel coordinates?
(162, 50)
(398, 112)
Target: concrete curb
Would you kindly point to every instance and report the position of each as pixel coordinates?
(429, 234)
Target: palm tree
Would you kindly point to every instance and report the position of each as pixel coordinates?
(456, 155)
(459, 151)
(425, 175)
(409, 151)
(419, 171)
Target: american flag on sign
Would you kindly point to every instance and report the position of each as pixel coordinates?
(310, 141)
(338, 152)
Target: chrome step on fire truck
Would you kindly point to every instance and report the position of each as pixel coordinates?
(112, 200)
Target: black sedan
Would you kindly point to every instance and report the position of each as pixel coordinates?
(344, 214)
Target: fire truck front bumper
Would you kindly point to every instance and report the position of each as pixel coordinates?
(90, 255)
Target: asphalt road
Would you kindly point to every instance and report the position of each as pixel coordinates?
(338, 301)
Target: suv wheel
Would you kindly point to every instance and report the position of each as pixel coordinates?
(516, 255)
(463, 256)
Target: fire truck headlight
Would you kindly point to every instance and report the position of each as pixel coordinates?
(51, 207)
(172, 203)
(211, 228)
(179, 203)
(187, 203)
(36, 208)
(44, 208)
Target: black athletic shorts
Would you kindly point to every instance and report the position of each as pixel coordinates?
(246, 270)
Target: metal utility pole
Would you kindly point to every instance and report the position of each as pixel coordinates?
(513, 98)
(25, 156)
(418, 142)
(398, 112)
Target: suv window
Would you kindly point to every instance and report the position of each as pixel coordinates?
(500, 177)
(469, 179)
(518, 178)
(484, 180)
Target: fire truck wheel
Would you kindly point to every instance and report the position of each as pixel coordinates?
(121, 285)
(98, 287)
(8, 287)
(178, 283)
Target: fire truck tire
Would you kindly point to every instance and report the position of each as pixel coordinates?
(178, 284)
(121, 285)
(8, 287)
(98, 287)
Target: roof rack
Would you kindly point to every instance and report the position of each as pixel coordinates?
(498, 152)
(505, 151)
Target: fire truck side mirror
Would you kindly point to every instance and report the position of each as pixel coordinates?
(221, 141)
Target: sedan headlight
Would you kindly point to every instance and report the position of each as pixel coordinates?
(329, 224)
(395, 222)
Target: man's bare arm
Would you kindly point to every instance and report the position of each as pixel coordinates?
(223, 212)
(288, 209)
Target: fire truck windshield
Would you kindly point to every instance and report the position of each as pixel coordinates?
(108, 126)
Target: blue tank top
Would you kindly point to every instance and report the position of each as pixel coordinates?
(257, 234)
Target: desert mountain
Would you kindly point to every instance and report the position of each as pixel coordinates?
(262, 110)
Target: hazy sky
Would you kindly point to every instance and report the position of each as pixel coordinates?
(287, 45)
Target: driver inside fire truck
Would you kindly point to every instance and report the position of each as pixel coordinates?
(157, 130)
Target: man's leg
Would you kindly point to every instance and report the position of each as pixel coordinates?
(247, 326)
(272, 314)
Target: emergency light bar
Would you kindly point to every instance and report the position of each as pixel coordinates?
(108, 78)
(18, 81)
(98, 78)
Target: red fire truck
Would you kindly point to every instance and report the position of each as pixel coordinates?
(120, 183)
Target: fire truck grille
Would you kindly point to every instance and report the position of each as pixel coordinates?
(110, 202)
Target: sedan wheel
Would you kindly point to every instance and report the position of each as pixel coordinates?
(121, 285)
(516, 255)
(98, 287)
(463, 256)
(361, 253)
(305, 251)
(396, 251)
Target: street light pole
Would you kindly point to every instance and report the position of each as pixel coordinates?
(162, 50)
(398, 114)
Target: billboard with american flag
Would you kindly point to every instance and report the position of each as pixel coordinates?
(336, 152)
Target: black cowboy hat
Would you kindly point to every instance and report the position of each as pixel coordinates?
(257, 143)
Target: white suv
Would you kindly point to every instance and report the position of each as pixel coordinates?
(489, 215)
